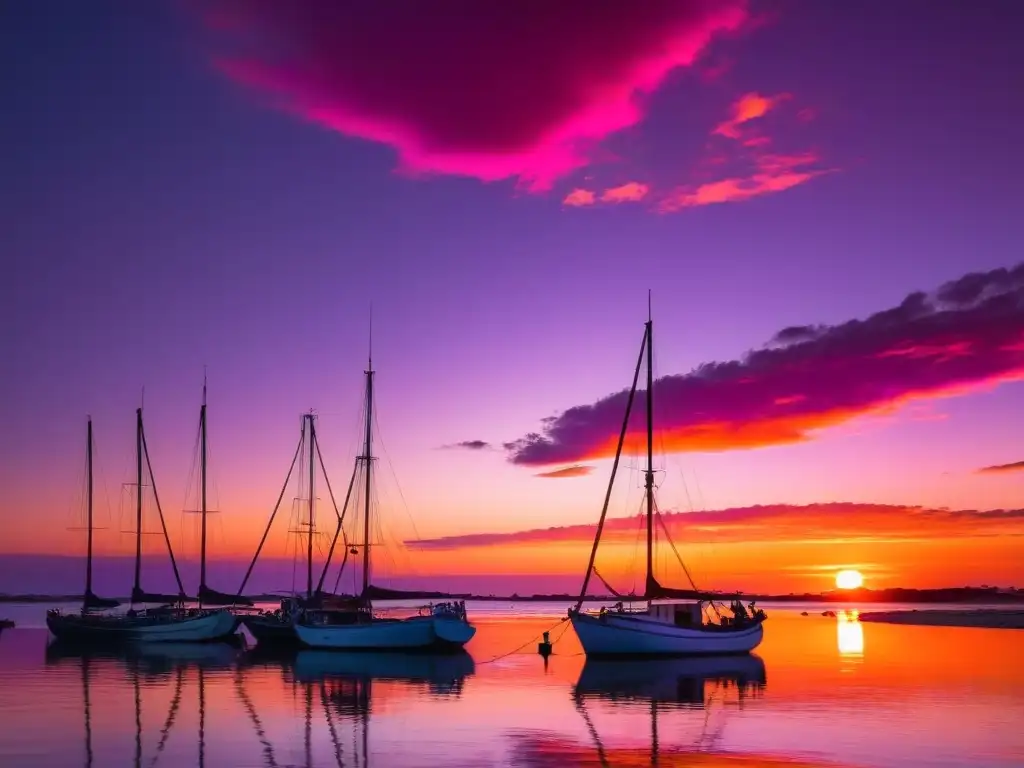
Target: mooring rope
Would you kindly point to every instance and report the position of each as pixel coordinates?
(530, 641)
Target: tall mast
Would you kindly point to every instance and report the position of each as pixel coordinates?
(138, 501)
(202, 483)
(649, 474)
(88, 551)
(312, 476)
(368, 459)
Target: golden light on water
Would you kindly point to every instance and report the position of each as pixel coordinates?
(849, 579)
(850, 633)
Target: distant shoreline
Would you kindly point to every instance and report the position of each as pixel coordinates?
(896, 595)
(979, 617)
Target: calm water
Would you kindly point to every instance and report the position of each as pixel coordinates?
(820, 692)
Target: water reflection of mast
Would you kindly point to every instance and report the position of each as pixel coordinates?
(681, 681)
(88, 712)
(171, 715)
(268, 748)
(202, 717)
(138, 714)
(309, 722)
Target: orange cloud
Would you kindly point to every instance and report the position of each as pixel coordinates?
(630, 192)
(577, 470)
(773, 173)
(579, 198)
(998, 469)
(748, 107)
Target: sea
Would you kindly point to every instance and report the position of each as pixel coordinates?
(821, 690)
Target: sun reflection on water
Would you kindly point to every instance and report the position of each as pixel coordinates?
(849, 633)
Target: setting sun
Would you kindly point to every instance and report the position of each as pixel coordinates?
(849, 579)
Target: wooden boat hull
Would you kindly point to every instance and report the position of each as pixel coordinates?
(637, 635)
(208, 626)
(419, 633)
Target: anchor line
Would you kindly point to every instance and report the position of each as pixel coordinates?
(528, 642)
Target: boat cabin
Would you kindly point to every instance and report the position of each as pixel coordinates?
(680, 613)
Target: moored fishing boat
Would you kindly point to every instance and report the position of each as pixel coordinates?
(444, 627)
(163, 618)
(675, 622)
(277, 627)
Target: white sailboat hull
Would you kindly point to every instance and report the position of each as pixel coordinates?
(414, 634)
(207, 627)
(625, 634)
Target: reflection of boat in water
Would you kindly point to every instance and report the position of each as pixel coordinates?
(445, 673)
(654, 683)
(676, 622)
(679, 680)
(153, 658)
(89, 660)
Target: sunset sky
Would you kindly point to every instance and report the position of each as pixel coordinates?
(823, 198)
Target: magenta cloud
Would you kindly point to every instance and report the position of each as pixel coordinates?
(966, 335)
(521, 89)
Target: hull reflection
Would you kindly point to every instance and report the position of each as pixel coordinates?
(679, 680)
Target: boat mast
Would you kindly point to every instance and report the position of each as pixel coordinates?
(202, 482)
(615, 467)
(368, 459)
(649, 474)
(88, 550)
(312, 476)
(138, 502)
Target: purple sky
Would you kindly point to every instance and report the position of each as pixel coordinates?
(160, 212)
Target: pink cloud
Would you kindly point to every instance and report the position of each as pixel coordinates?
(486, 90)
(630, 192)
(965, 336)
(748, 107)
(579, 198)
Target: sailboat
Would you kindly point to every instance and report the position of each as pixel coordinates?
(673, 624)
(277, 628)
(90, 600)
(171, 621)
(352, 628)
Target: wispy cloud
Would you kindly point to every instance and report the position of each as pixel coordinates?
(772, 523)
(967, 335)
(471, 445)
(773, 173)
(470, 88)
(998, 469)
(744, 164)
(579, 198)
(748, 107)
(630, 192)
(576, 470)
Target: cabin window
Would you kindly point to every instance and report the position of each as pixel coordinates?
(683, 617)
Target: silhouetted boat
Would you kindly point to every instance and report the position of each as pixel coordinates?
(171, 622)
(673, 623)
(277, 627)
(444, 627)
